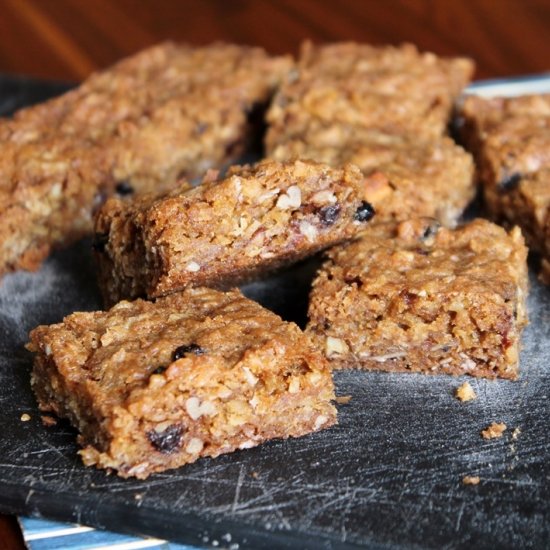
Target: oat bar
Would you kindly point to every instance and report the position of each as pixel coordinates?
(418, 297)
(227, 230)
(152, 386)
(434, 179)
(511, 139)
(388, 90)
(168, 112)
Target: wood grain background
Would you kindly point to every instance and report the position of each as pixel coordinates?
(68, 39)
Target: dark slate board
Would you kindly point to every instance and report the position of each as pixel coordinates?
(388, 476)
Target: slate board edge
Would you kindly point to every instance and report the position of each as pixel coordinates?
(187, 528)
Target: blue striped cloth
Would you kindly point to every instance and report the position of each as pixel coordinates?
(40, 534)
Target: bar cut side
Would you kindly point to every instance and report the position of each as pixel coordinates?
(152, 386)
(415, 178)
(418, 297)
(228, 229)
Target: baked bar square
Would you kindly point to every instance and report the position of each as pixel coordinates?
(228, 229)
(168, 112)
(389, 90)
(510, 138)
(419, 297)
(152, 386)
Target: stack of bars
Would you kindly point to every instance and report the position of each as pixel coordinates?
(168, 112)
(188, 369)
(409, 294)
(385, 110)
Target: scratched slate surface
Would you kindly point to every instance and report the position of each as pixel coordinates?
(388, 476)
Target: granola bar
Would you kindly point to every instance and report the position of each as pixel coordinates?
(227, 230)
(388, 90)
(419, 297)
(152, 386)
(511, 139)
(168, 112)
(434, 179)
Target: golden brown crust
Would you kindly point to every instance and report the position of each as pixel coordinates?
(152, 386)
(434, 179)
(389, 90)
(418, 297)
(252, 220)
(167, 112)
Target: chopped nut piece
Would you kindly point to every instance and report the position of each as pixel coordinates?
(291, 199)
(194, 446)
(48, 420)
(471, 480)
(335, 346)
(465, 392)
(343, 399)
(25, 417)
(308, 230)
(192, 406)
(494, 431)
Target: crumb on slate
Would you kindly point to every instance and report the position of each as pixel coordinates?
(495, 430)
(465, 392)
(471, 480)
(48, 420)
(255, 475)
(515, 433)
(343, 399)
(25, 417)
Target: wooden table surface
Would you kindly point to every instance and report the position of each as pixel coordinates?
(68, 39)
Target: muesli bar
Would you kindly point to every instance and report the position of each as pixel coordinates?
(153, 386)
(419, 297)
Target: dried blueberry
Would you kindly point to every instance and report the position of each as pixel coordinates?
(364, 213)
(182, 351)
(509, 182)
(99, 241)
(354, 280)
(431, 230)
(234, 148)
(168, 441)
(200, 128)
(123, 188)
(329, 214)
